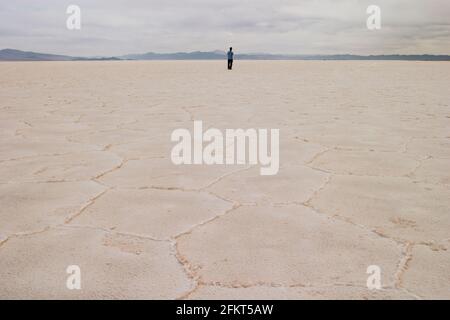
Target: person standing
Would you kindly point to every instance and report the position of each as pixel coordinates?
(230, 55)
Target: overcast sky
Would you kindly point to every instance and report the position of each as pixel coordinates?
(116, 27)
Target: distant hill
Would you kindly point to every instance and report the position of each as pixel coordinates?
(196, 55)
(96, 59)
(17, 55)
(423, 57)
(219, 55)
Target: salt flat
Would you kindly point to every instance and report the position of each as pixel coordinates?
(86, 179)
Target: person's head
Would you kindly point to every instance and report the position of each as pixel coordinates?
(231, 49)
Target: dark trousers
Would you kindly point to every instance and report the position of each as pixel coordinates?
(230, 64)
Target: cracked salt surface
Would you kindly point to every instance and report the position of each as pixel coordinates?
(86, 179)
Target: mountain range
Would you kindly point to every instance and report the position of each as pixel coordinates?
(18, 55)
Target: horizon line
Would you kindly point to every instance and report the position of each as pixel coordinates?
(9, 54)
(217, 51)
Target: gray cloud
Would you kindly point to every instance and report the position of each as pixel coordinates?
(115, 27)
